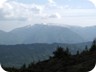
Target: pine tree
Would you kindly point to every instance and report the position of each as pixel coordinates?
(61, 53)
(85, 51)
(78, 52)
(23, 67)
(93, 47)
(67, 50)
(86, 48)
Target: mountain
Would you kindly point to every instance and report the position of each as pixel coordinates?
(88, 33)
(41, 34)
(7, 38)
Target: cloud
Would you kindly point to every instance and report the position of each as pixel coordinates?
(94, 2)
(52, 7)
(15, 10)
(76, 4)
(51, 1)
(2, 2)
(53, 16)
(36, 8)
(1, 15)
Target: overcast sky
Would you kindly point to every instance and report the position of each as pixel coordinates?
(18, 13)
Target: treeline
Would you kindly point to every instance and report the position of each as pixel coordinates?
(63, 61)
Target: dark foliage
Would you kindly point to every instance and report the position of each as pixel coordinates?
(61, 53)
(63, 61)
(93, 48)
(17, 55)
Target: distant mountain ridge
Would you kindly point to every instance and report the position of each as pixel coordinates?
(40, 33)
(17, 55)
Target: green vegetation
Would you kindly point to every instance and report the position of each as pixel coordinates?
(63, 61)
(17, 55)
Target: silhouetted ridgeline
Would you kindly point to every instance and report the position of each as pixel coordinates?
(63, 61)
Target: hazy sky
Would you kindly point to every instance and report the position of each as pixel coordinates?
(18, 13)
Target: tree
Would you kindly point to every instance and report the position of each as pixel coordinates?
(84, 52)
(93, 47)
(23, 67)
(86, 48)
(67, 50)
(61, 53)
(78, 52)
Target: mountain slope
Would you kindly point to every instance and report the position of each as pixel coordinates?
(42, 34)
(16, 55)
(88, 33)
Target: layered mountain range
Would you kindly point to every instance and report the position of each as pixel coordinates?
(38, 42)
